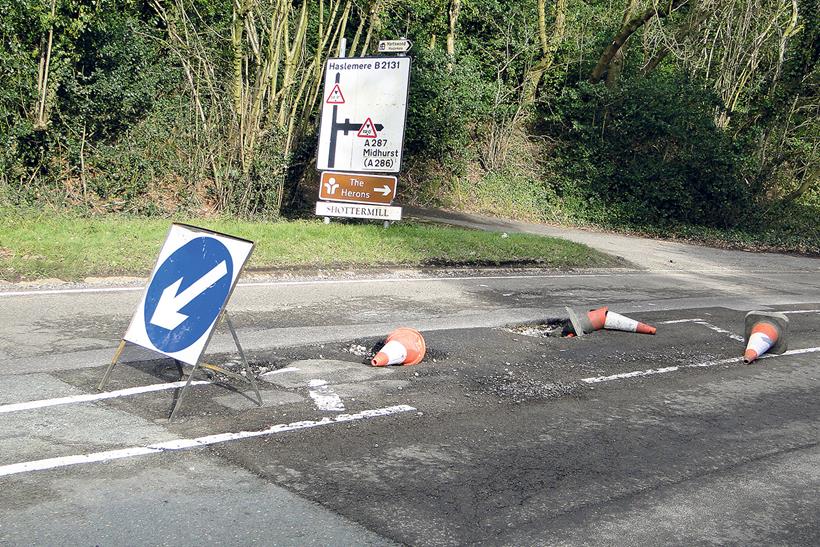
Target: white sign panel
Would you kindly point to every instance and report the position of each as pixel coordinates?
(377, 212)
(194, 276)
(394, 46)
(363, 114)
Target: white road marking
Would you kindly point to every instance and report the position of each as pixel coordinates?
(182, 444)
(679, 321)
(38, 292)
(706, 324)
(324, 397)
(715, 328)
(89, 397)
(652, 371)
(319, 282)
(279, 371)
(801, 311)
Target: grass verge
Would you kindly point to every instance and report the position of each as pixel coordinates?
(59, 245)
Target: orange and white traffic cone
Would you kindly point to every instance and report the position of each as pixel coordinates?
(592, 321)
(403, 346)
(616, 321)
(765, 332)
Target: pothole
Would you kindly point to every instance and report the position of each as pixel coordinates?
(560, 328)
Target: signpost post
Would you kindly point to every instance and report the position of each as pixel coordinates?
(192, 281)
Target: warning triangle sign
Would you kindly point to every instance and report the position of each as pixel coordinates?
(335, 96)
(367, 130)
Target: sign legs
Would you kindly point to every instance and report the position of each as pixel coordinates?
(107, 374)
(248, 373)
(248, 377)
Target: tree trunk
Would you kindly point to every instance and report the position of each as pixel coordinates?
(40, 117)
(627, 30)
(238, 23)
(455, 9)
(617, 64)
(549, 46)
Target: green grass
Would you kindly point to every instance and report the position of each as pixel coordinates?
(69, 247)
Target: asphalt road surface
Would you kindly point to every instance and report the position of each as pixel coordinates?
(506, 434)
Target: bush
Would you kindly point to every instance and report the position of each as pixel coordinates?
(447, 101)
(648, 152)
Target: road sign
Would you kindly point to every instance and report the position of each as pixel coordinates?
(194, 276)
(394, 46)
(357, 187)
(376, 212)
(363, 114)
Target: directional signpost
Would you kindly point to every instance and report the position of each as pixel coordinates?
(363, 114)
(191, 283)
(362, 133)
(395, 46)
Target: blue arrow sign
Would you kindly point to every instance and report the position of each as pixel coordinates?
(187, 293)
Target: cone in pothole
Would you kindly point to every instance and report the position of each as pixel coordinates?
(616, 321)
(765, 332)
(590, 322)
(404, 346)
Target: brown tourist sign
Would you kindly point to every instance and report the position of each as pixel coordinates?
(357, 187)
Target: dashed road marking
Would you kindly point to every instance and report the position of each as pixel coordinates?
(86, 290)
(359, 281)
(653, 371)
(183, 444)
(674, 321)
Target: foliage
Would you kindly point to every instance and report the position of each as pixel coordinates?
(704, 109)
(447, 106)
(650, 152)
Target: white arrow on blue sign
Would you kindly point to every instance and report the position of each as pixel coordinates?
(191, 283)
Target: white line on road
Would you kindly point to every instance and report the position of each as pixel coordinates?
(88, 397)
(652, 371)
(358, 281)
(397, 280)
(324, 397)
(715, 328)
(182, 444)
(706, 324)
(679, 321)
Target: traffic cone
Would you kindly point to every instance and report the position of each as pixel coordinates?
(765, 332)
(592, 321)
(403, 346)
(616, 321)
